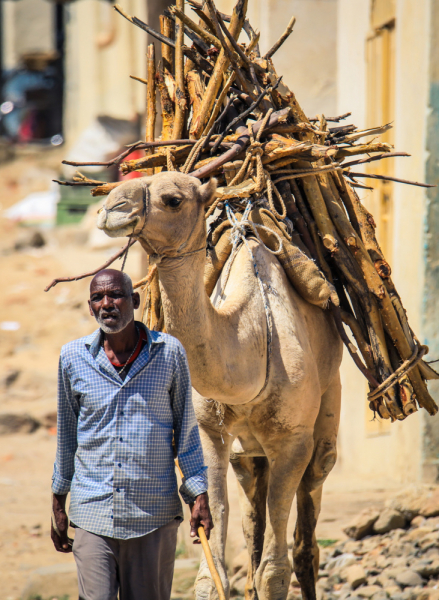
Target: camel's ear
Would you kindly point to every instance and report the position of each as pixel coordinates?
(207, 191)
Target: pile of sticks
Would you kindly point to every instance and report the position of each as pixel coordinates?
(226, 113)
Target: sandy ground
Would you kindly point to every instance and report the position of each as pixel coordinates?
(30, 355)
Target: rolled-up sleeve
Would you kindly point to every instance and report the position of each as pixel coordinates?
(67, 442)
(186, 434)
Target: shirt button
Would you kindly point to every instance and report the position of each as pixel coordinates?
(122, 413)
(117, 490)
(119, 465)
(111, 516)
(120, 439)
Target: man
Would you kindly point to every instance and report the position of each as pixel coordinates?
(124, 395)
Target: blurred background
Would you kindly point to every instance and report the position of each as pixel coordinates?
(65, 93)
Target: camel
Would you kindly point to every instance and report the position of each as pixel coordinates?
(275, 418)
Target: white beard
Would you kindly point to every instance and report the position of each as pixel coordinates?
(117, 327)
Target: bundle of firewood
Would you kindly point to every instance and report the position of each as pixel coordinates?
(226, 113)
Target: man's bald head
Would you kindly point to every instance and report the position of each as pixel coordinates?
(112, 300)
(115, 276)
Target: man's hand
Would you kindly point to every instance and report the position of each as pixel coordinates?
(200, 516)
(58, 533)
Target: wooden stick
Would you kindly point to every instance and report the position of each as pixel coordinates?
(196, 91)
(103, 190)
(362, 149)
(282, 39)
(118, 159)
(240, 144)
(334, 119)
(351, 348)
(167, 29)
(180, 95)
(221, 66)
(89, 182)
(150, 100)
(144, 26)
(139, 79)
(208, 553)
(243, 115)
(387, 178)
(198, 60)
(168, 115)
(205, 35)
(111, 260)
(374, 158)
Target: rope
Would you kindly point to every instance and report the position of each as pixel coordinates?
(238, 235)
(170, 159)
(193, 154)
(400, 373)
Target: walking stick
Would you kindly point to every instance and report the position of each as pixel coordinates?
(208, 554)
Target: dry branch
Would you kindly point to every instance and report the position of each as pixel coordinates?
(110, 261)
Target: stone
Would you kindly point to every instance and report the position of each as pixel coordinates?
(416, 535)
(368, 591)
(352, 547)
(388, 520)
(362, 524)
(429, 541)
(391, 590)
(355, 576)
(380, 595)
(410, 500)
(430, 506)
(12, 423)
(417, 521)
(341, 561)
(409, 578)
(427, 568)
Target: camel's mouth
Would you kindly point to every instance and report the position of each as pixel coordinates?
(117, 224)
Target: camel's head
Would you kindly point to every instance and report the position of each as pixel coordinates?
(166, 212)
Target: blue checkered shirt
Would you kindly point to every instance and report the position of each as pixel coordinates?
(114, 452)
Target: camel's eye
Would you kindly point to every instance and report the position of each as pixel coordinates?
(172, 201)
(118, 205)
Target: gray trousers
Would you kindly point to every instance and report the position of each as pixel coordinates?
(140, 568)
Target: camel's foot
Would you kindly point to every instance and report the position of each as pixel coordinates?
(273, 579)
(204, 586)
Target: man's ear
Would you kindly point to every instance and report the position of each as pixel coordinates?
(136, 300)
(207, 191)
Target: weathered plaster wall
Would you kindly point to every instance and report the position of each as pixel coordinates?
(430, 324)
(307, 60)
(19, 38)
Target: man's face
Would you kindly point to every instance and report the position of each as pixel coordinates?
(111, 304)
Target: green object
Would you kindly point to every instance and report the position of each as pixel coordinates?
(326, 543)
(73, 204)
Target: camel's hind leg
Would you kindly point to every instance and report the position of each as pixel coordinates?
(252, 475)
(309, 494)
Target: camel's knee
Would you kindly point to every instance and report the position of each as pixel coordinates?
(322, 462)
(273, 578)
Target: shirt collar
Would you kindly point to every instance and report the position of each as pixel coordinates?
(94, 340)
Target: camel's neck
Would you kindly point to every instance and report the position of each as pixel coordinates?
(226, 362)
(189, 314)
(187, 309)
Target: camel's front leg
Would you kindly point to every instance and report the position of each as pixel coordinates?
(288, 456)
(216, 456)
